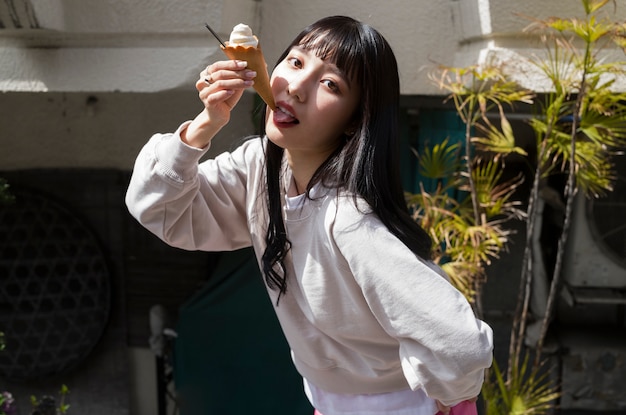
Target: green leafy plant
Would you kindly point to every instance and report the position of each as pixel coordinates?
(44, 406)
(468, 230)
(580, 126)
(526, 391)
(7, 404)
(47, 404)
(6, 399)
(580, 129)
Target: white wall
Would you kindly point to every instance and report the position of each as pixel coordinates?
(101, 129)
(143, 383)
(117, 45)
(420, 32)
(157, 45)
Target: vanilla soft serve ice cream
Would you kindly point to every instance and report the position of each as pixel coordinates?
(242, 36)
(244, 46)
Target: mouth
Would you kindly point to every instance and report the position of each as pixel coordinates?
(284, 115)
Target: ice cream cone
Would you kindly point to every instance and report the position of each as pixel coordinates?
(256, 62)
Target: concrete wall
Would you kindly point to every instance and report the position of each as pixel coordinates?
(100, 129)
(157, 45)
(139, 46)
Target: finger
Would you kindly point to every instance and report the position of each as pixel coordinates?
(220, 96)
(210, 78)
(236, 83)
(231, 66)
(212, 84)
(220, 90)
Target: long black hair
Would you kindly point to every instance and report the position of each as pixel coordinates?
(366, 163)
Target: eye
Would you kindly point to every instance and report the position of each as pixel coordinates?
(330, 84)
(295, 62)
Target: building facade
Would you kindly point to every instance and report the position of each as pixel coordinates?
(84, 83)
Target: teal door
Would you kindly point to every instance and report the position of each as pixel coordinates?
(230, 356)
(422, 130)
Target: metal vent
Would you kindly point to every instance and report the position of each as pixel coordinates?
(608, 218)
(54, 288)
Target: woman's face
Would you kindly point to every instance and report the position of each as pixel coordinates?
(315, 104)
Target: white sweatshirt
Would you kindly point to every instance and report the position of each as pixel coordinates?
(362, 314)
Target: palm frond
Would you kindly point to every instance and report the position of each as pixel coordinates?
(474, 243)
(494, 194)
(592, 6)
(441, 161)
(526, 392)
(463, 275)
(500, 142)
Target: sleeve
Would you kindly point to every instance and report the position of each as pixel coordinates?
(443, 348)
(189, 205)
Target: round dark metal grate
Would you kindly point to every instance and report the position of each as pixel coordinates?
(54, 288)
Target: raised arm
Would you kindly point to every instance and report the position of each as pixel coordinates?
(220, 87)
(192, 206)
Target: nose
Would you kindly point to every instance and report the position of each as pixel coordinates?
(299, 84)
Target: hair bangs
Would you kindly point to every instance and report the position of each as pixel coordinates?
(341, 46)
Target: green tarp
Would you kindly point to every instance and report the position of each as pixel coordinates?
(230, 356)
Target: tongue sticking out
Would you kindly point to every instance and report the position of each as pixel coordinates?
(283, 117)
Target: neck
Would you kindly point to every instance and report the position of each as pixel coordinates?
(303, 166)
(298, 187)
(295, 189)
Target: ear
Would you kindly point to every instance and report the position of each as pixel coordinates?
(351, 129)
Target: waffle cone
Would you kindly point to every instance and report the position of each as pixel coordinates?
(256, 62)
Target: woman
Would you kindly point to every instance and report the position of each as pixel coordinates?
(373, 325)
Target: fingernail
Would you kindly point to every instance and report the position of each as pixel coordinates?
(242, 64)
(248, 83)
(250, 74)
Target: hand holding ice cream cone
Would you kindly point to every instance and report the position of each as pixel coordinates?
(244, 46)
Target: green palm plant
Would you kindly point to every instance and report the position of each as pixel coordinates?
(468, 231)
(472, 231)
(580, 126)
(475, 92)
(527, 391)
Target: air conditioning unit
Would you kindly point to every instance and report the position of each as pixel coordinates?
(591, 317)
(595, 259)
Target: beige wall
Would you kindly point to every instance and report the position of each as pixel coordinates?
(420, 32)
(98, 130)
(140, 60)
(158, 45)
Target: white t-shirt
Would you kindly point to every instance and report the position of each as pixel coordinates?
(404, 402)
